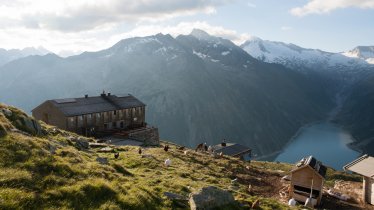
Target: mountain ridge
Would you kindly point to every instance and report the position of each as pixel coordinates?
(196, 90)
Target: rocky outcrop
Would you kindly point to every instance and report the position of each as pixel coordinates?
(210, 198)
(12, 118)
(103, 161)
(20, 120)
(80, 142)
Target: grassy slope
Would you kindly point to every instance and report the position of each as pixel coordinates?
(49, 172)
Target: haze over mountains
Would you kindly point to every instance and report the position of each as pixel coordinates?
(200, 88)
(14, 54)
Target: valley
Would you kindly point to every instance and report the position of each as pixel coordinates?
(197, 87)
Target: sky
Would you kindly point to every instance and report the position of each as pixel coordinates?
(69, 27)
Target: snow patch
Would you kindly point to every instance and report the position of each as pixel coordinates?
(225, 53)
(201, 55)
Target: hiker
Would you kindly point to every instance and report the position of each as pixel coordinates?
(116, 155)
(166, 148)
(140, 151)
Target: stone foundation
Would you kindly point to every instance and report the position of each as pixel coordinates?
(149, 136)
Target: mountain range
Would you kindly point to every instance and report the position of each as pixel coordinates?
(14, 54)
(197, 87)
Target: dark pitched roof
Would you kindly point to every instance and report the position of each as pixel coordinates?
(313, 163)
(231, 149)
(103, 103)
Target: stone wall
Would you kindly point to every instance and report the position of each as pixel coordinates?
(149, 136)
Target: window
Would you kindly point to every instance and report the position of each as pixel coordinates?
(98, 118)
(120, 113)
(133, 111)
(106, 117)
(89, 119)
(114, 112)
(71, 122)
(80, 121)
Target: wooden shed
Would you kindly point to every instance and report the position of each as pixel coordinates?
(307, 178)
(365, 166)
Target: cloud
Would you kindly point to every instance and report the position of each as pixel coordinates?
(73, 15)
(326, 6)
(185, 28)
(252, 5)
(286, 28)
(66, 44)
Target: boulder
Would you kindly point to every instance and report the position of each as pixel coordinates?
(6, 112)
(80, 143)
(210, 198)
(32, 126)
(103, 161)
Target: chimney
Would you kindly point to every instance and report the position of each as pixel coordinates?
(86, 96)
(108, 94)
(103, 94)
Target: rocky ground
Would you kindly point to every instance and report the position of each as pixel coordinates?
(43, 167)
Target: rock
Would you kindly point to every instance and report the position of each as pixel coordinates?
(80, 143)
(210, 198)
(174, 196)
(6, 112)
(103, 161)
(106, 149)
(32, 126)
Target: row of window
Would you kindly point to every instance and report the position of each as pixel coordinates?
(106, 116)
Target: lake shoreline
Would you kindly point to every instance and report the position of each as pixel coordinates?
(327, 141)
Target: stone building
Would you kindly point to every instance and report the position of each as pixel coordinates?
(91, 116)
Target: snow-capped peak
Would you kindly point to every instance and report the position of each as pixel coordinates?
(363, 52)
(297, 57)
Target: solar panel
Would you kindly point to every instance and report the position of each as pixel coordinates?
(65, 100)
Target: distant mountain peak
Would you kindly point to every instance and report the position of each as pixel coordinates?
(363, 52)
(200, 34)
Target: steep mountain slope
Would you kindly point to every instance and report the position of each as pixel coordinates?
(363, 52)
(198, 88)
(10, 55)
(351, 74)
(357, 114)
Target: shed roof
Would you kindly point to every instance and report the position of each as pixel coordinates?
(231, 149)
(363, 165)
(313, 163)
(88, 105)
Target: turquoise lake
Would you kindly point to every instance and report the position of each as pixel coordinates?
(325, 141)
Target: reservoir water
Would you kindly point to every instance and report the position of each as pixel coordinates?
(325, 141)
